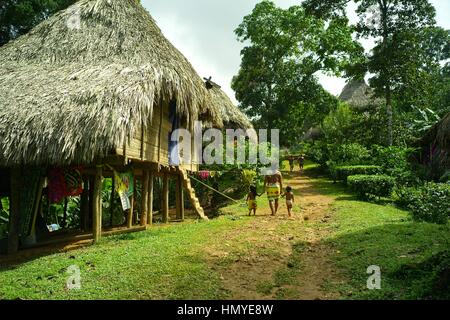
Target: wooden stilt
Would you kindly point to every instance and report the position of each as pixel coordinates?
(165, 199)
(91, 201)
(179, 198)
(130, 213)
(64, 222)
(111, 202)
(150, 198)
(14, 211)
(144, 199)
(97, 205)
(84, 207)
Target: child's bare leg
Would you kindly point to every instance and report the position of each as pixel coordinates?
(276, 206)
(254, 212)
(272, 207)
(289, 211)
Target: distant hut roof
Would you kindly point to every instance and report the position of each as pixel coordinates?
(359, 95)
(81, 82)
(231, 114)
(440, 134)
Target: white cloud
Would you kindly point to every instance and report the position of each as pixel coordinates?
(203, 30)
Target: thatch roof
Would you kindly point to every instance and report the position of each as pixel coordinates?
(231, 114)
(359, 95)
(71, 92)
(439, 134)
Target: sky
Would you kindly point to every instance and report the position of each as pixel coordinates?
(203, 30)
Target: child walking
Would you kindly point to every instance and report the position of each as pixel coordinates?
(289, 200)
(251, 200)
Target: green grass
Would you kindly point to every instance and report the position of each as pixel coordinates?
(370, 234)
(162, 263)
(170, 262)
(363, 234)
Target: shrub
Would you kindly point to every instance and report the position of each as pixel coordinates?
(341, 173)
(430, 202)
(446, 177)
(367, 186)
(394, 161)
(318, 153)
(348, 154)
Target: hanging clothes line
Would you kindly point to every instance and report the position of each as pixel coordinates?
(217, 191)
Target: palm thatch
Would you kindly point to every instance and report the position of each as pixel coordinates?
(359, 95)
(439, 135)
(81, 83)
(231, 115)
(434, 149)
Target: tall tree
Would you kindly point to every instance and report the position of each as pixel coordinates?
(285, 49)
(17, 17)
(386, 21)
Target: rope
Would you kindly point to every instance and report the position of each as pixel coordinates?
(217, 191)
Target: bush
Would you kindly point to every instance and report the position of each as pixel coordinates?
(367, 186)
(394, 161)
(430, 202)
(341, 173)
(348, 154)
(318, 153)
(446, 177)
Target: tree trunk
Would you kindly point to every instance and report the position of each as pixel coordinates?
(389, 117)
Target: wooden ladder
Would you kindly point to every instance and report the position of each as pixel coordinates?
(192, 196)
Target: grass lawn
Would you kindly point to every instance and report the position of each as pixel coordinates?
(175, 262)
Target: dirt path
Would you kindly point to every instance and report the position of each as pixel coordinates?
(279, 257)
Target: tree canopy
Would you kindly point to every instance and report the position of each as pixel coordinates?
(19, 17)
(285, 49)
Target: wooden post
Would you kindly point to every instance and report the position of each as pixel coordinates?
(64, 222)
(111, 202)
(84, 207)
(144, 199)
(97, 205)
(14, 211)
(91, 201)
(165, 197)
(179, 198)
(150, 198)
(130, 211)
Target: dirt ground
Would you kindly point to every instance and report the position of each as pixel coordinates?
(244, 276)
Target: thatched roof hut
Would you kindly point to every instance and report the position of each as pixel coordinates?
(82, 83)
(436, 147)
(359, 95)
(232, 116)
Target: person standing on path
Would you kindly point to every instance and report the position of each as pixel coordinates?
(273, 184)
(301, 162)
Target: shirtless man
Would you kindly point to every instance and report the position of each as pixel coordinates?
(273, 184)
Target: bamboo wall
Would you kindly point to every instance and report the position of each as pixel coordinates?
(151, 144)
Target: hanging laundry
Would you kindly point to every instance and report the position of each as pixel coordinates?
(124, 187)
(204, 175)
(64, 183)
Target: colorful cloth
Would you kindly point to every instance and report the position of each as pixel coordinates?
(64, 183)
(204, 174)
(124, 187)
(124, 182)
(252, 204)
(273, 192)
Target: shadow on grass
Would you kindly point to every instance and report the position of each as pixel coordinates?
(414, 259)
